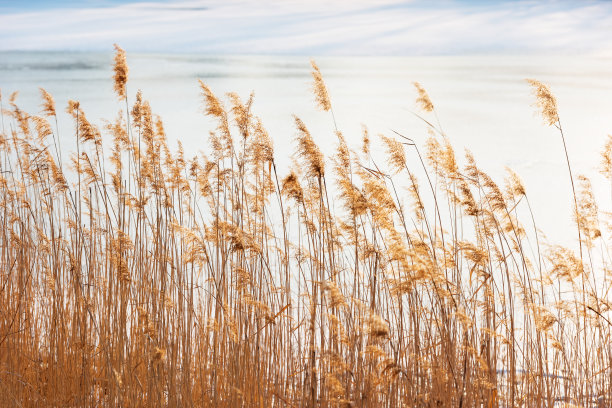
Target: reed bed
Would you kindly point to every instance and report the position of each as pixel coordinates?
(134, 275)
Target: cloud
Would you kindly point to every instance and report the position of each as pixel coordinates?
(317, 27)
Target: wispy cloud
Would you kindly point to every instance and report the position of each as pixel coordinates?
(358, 27)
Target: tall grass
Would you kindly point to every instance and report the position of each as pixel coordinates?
(133, 275)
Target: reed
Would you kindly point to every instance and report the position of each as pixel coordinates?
(134, 275)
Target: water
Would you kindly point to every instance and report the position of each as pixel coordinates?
(483, 105)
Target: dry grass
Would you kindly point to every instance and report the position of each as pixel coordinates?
(134, 276)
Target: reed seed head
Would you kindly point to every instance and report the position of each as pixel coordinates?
(423, 98)
(121, 72)
(319, 88)
(545, 101)
(48, 105)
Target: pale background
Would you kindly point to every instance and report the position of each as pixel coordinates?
(472, 57)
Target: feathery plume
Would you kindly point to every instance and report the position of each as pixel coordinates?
(48, 105)
(377, 327)
(309, 150)
(263, 147)
(87, 131)
(587, 213)
(320, 90)
(423, 99)
(291, 187)
(43, 129)
(213, 105)
(121, 72)
(137, 110)
(241, 112)
(606, 158)
(545, 101)
(395, 150)
(514, 184)
(543, 318)
(365, 147)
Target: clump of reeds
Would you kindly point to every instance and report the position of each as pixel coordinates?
(140, 275)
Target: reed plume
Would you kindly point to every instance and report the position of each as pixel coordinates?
(545, 101)
(423, 98)
(121, 72)
(48, 105)
(320, 89)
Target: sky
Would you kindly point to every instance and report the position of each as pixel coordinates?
(310, 27)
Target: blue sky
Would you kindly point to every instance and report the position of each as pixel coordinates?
(310, 27)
